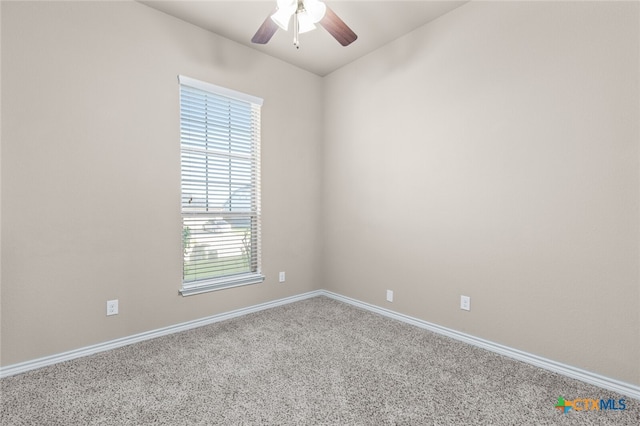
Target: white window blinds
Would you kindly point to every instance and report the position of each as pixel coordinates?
(220, 163)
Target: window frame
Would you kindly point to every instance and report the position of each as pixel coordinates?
(232, 279)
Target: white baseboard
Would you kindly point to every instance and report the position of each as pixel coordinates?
(623, 388)
(566, 370)
(23, 367)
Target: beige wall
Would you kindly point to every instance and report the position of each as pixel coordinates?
(494, 153)
(91, 172)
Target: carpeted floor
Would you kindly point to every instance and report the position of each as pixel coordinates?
(317, 361)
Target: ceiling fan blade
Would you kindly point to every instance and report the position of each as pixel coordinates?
(266, 31)
(337, 28)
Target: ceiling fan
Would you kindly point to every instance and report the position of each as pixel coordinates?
(306, 13)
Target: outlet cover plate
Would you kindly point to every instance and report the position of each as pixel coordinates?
(465, 303)
(112, 307)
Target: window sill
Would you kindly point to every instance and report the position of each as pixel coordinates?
(220, 284)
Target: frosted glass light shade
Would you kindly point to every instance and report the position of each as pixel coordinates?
(305, 23)
(316, 10)
(286, 8)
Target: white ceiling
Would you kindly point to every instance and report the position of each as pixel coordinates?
(376, 22)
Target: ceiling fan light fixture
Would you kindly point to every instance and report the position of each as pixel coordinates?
(305, 13)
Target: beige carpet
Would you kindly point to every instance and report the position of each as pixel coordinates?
(316, 361)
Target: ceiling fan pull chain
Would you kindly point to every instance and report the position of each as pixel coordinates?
(296, 31)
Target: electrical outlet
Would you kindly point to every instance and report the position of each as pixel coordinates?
(281, 277)
(112, 307)
(389, 295)
(465, 303)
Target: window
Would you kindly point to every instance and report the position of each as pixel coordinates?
(220, 163)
